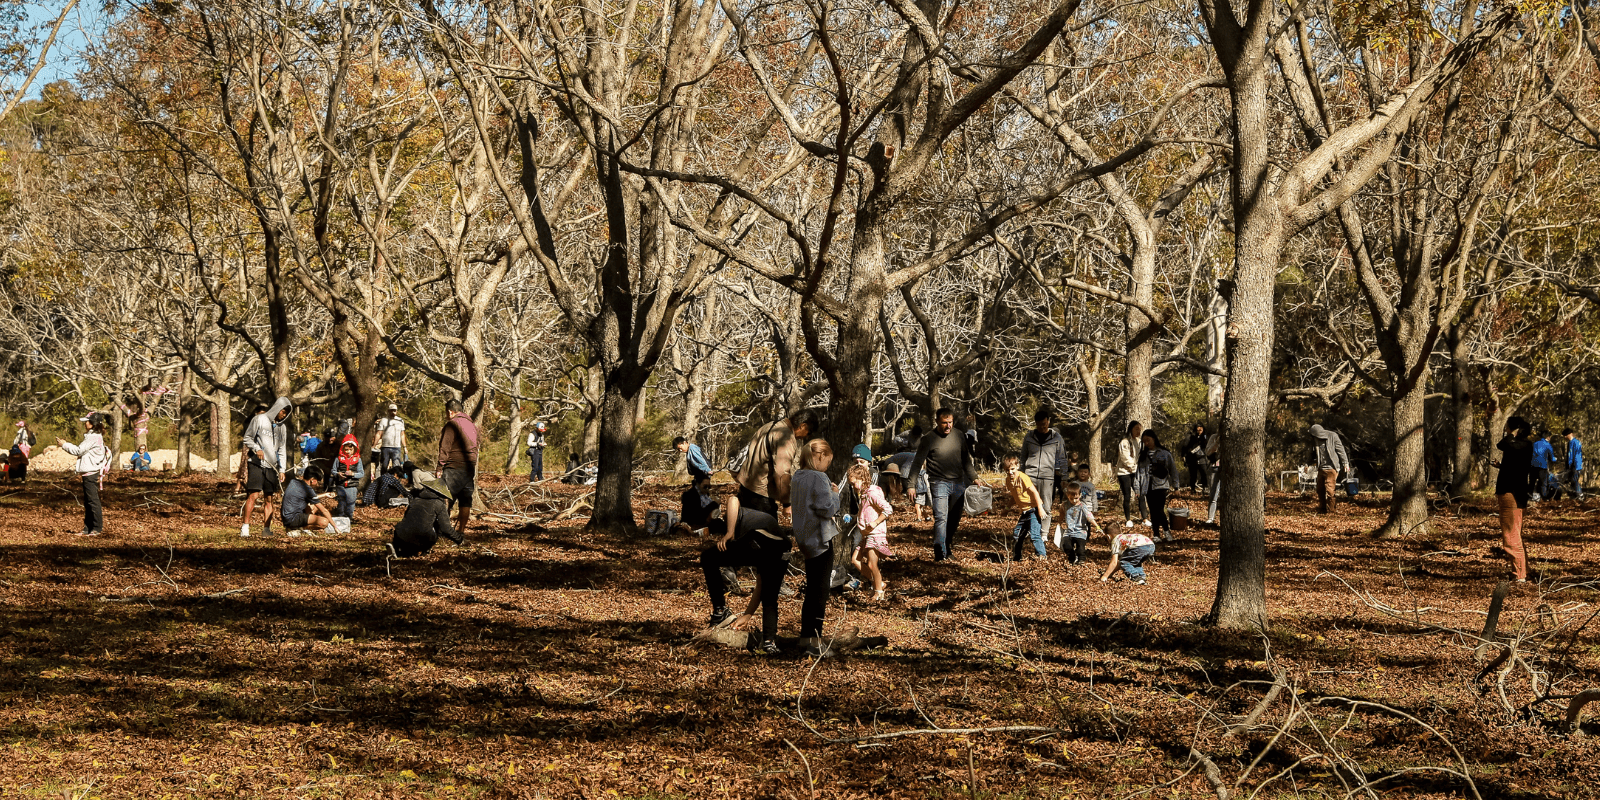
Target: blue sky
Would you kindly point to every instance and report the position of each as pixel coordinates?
(65, 56)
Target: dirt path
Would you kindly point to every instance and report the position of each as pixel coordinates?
(170, 658)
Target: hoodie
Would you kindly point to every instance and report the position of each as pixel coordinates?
(347, 471)
(270, 437)
(1331, 454)
(93, 457)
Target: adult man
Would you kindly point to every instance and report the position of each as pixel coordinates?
(1574, 463)
(1542, 457)
(694, 458)
(389, 439)
(1044, 456)
(458, 460)
(266, 444)
(950, 471)
(1331, 460)
(536, 453)
(770, 458)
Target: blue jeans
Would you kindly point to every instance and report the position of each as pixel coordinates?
(389, 456)
(1577, 482)
(346, 501)
(949, 498)
(1132, 557)
(1029, 524)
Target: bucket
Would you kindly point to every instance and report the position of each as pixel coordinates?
(1180, 519)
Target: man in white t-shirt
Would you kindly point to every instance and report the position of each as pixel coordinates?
(389, 439)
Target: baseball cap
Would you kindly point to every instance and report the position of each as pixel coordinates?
(393, 407)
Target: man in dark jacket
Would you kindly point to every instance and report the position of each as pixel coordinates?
(427, 518)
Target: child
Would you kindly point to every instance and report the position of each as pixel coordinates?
(1023, 494)
(93, 459)
(1078, 519)
(1086, 490)
(873, 521)
(346, 475)
(299, 507)
(1129, 549)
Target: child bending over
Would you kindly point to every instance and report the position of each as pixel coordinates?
(1129, 550)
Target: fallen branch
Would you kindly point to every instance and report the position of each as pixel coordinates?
(1213, 775)
(1575, 708)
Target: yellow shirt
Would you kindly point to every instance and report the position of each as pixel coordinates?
(1021, 488)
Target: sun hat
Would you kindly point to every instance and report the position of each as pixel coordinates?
(892, 469)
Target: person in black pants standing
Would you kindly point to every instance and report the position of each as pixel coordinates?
(815, 503)
(1195, 460)
(1160, 472)
(92, 460)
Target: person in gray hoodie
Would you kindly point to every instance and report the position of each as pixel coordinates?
(1331, 460)
(815, 503)
(266, 444)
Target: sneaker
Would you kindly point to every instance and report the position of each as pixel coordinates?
(1146, 523)
(767, 648)
(1166, 536)
(785, 590)
(815, 648)
(1127, 523)
(718, 616)
(244, 531)
(293, 534)
(1139, 582)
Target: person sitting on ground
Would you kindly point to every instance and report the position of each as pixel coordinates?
(301, 509)
(694, 458)
(757, 542)
(1078, 520)
(140, 460)
(427, 517)
(1025, 496)
(388, 490)
(700, 506)
(346, 476)
(1129, 550)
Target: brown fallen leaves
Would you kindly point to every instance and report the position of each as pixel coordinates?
(170, 658)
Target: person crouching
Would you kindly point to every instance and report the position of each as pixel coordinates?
(758, 542)
(300, 506)
(427, 517)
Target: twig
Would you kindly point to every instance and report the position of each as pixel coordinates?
(217, 595)
(1213, 775)
(811, 784)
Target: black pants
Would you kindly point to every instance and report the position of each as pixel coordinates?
(1157, 498)
(1539, 481)
(819, 569)
(751, 500)
(1199, 472)
(92, 521)
(1076, 550)
(536, 463)
(1125, 483)
(754, 550)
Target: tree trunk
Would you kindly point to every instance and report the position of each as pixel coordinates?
(185, 422)
(1408, 507)
(1463, 415)
(594, 396)
(1216, 355)
(1141, 331)
(222, 423)
(613, 496)
(514, 435)
(1090, 376)
(1241, 600)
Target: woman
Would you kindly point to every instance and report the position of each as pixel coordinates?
(1194, 459)
(1160, 473)
(1127, 475)
(756, 541)
(91, 468)
(1511, 490)
(815, 502)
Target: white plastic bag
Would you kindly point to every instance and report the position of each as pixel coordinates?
(1058, 537)
(341, 524)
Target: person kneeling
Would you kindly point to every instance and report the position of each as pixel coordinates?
(1129, 551)
(756, 542)
(427, 517)
(300, 508)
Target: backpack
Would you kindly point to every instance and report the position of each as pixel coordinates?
(737, 462)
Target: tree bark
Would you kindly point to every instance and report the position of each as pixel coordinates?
(514, 438)
(1408, 506)
(613, 496)
(1462, 414)
(185, 422)
(1141, 332)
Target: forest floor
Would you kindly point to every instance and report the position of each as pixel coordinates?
(170, 658)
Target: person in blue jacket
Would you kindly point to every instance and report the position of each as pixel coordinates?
(695, 457)
(140, 460)
(1574, 463)
(1543, 456)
